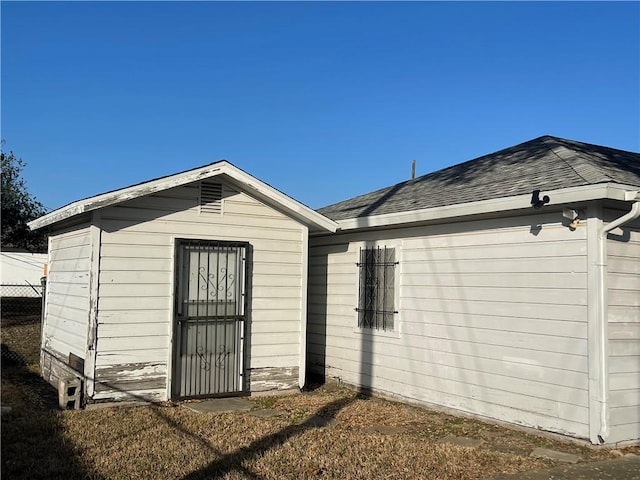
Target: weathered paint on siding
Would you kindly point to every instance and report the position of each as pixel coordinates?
(623, 311)
(136, 287)
(67, 299)
(492, 319)
(267, 379)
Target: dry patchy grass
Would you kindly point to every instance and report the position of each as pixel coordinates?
(169, 441)
(173, 442)
(324, 433)
(21, 339)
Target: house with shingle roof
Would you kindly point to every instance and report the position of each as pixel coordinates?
(507, 287)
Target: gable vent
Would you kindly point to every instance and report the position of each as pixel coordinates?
(210, 198)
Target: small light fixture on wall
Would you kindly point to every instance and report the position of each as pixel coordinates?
(573, 215)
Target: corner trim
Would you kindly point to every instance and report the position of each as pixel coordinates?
(303, 307)
(95, 234)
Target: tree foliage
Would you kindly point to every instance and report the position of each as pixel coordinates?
(18, 208)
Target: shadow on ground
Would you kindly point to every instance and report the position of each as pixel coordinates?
(234, 461)
(33, 443)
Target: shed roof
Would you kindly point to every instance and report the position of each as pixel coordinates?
(545, 163)
(264, 192)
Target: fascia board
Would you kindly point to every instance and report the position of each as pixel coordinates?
(125, 194)
(270, 194)
(518, 202)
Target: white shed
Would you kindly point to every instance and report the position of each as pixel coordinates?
(507, 287)
(190, 285)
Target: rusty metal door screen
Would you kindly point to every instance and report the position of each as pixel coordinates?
(210, 318)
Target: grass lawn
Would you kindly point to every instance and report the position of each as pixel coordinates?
(323, 433)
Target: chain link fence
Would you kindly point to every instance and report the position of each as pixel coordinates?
(20, 323)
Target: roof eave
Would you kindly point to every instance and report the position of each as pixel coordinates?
(518, 202)
(314, 220)
(122, 195)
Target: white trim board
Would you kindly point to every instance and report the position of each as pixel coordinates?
(518, 202)
(238, 177)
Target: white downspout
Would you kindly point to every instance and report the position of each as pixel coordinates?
(602, 316)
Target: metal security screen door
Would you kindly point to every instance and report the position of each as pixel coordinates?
(210, 317)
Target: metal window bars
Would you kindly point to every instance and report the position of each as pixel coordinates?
(376, 298)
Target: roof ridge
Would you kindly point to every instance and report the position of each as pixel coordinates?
(569, 164)
(440, 172)
(546, 162)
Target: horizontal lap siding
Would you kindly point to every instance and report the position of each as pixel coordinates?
(492, 320)
(623, 282)
(136, 281)
(67, 309)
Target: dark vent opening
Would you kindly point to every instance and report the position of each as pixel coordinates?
(210, 198)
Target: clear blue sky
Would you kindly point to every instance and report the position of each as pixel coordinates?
(322, 100)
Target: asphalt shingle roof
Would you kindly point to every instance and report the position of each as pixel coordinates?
(545, 163)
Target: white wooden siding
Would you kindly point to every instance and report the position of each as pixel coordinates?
(136, 283)
(492, 319)
(67, 298)
(623, 282)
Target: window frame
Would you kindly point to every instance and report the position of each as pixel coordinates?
(393, 332)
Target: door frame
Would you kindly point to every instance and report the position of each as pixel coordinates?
(173, 388)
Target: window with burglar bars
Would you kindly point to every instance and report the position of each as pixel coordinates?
(376, 299)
